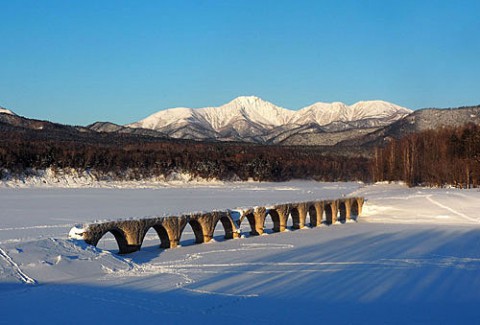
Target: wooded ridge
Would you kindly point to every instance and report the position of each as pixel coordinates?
(408, 150)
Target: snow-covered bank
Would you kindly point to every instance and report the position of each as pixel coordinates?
(413, 257)
(396, 203)
(72, 178)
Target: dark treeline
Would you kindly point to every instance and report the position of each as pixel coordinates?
(447, 156)
(129, 157)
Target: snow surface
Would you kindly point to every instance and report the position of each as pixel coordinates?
(413, 257)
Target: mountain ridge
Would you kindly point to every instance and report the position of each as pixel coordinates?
(418, 121)
(256, 120)
(356, 134)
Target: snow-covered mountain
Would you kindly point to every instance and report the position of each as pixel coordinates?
(419, 121)
(249, 118)
(327, 113)
(6, 111)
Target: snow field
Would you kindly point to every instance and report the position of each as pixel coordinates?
(413, 257)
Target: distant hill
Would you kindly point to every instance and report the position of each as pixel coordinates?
(109, 127)
(9, 120)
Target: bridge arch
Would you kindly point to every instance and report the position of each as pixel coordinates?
(312, 213)
(250, 216)
(316, 211)
(197, 230)
(342, 211)
(120, 238)
(162, 235)
(295, 214)
(275, 216)
(330, 213)
(355, 209)
(256, 220)
(228, 225)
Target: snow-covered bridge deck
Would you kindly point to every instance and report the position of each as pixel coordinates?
(130, 234)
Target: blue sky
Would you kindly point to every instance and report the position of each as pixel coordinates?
(77, 62)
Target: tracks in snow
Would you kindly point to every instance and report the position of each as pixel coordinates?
(464, 216)
(37, 227)
(183, 268)
(18, 272)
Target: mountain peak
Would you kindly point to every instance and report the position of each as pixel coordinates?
(246, 99)
(6, 111)
(249, 102)
(251, 110)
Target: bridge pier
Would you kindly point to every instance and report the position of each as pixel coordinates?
(248, 214)
(348, 206)
(256, 219)
(298, 212)
(357, 207)
(279, 215)
(229, 226)
(331, 212)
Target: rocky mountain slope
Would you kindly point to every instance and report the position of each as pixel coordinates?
(417, 121)
(8, 119)
(109, 127)
(252, 119)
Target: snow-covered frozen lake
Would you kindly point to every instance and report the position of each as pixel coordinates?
(412, 257)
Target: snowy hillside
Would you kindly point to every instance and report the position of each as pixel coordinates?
(6, 111)
(253, 119)
(412, 258)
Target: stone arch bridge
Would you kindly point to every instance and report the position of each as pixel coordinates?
(129, 234)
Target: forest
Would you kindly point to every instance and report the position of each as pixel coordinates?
(128, 157)
(440, 157)
(445, 156)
